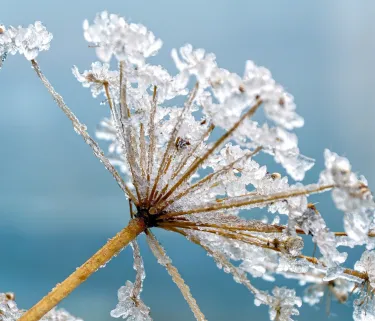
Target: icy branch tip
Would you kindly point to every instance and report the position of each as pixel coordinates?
(27, 41)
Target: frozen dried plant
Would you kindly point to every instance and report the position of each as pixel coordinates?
(178, 176)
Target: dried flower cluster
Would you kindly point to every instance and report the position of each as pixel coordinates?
(191, 169)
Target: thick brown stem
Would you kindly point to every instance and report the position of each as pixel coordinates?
(100, 258)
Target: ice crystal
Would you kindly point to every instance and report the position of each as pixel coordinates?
(114, 36)
(339, 288)
(351, 195)
(281, 304)
(128, 307)
(26, 41)
(8, 308)
(312, 223)
(364, 308)
(367, 264)
(10, 312)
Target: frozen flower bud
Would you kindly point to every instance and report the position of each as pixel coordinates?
(8, 309)
(281, 304)
(10, 296)
(112, 35)
(97, 77)
(364, 307)
(195, 62)
(312, 223)
(33, 39)
(293, 246)
(26, 41)
(130, 308)
(366, 264)
(351, 195)
(313, 293)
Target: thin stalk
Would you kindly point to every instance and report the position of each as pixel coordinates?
(220, 259)
(355, 273)
(209, 177)
(152, 142)
(139, 268)
(100, 258)
(256, 227)
(260, 200)
(164, 260)
(123, 135)
(313, 260)
(264, 228)
(142, 150)
(173, 137)
(193, 167)
(128, 134)
(218, 229)
(81, 130)
(248, 239)
(125, 112)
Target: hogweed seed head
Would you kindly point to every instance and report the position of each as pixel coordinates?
(180, 177)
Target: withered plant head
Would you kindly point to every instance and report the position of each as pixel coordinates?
(186, 146)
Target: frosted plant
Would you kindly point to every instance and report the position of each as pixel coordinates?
(191, 169)
(10, 312)
(281, 303)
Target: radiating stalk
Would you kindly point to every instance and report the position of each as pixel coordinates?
(257, 200)
(173, 137)
(164, 260)
(81, 130)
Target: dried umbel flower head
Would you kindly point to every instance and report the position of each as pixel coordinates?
(191, 169)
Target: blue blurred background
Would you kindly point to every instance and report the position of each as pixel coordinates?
(58, 205)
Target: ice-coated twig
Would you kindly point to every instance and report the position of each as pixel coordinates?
(152, 140)
(139, 268)
(256, 200)
(81, 130)
(126, 136)
(164, 260)
(238, 276)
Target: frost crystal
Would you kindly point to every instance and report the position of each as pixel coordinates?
(312, 223)
(281, 304)
(26, 41)
(114, 36)
(8, 308)
(364, 308)
(351, 195)
(367, 264)
(10, 312)
(339, 288)
(97, 77)
(130, 308)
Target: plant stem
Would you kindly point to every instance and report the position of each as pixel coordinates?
(100, 258)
